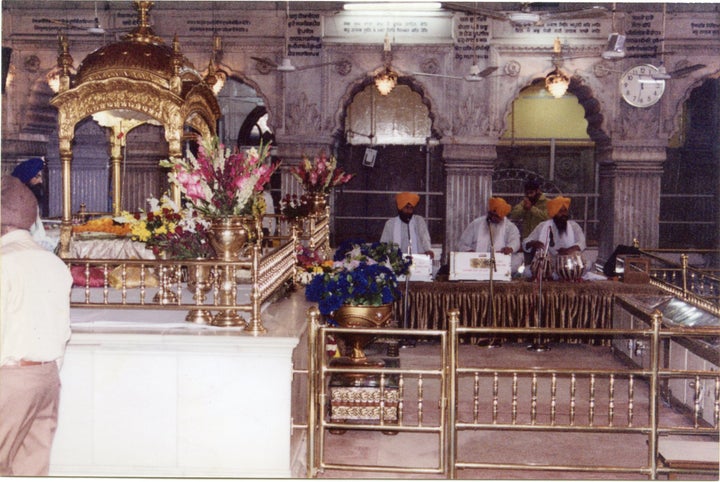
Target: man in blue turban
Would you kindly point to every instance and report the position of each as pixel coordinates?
(30, 173)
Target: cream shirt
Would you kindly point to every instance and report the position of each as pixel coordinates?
(34, 301)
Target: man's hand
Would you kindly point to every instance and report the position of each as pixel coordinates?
(535, 245)
(571, 250)
(431, 254)
(506, 250)
(527, 204)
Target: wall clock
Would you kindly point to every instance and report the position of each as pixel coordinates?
(639, 88)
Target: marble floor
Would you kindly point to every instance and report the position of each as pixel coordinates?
(416, 449)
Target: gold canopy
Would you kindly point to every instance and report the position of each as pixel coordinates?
(138, 80)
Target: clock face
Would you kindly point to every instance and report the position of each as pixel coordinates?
(639, 88)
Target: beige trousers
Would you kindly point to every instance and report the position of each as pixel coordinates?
(29, 398)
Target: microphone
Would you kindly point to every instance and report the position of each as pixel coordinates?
(552, 239)
(410, 250)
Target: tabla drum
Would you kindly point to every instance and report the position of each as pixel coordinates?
(570, 267)
(536, 266)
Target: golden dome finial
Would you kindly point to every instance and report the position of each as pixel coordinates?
(64, 62)
(143, 32)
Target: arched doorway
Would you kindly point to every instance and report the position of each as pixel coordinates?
(387, 141)
(689, 202)
(553, 140)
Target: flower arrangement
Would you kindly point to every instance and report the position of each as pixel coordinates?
(103, 224)
(311, 263)
(320, 175)
(167, 229)
(219, 182)
(362, 274)
(293, 207)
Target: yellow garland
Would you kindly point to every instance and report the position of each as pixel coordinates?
(103, 225)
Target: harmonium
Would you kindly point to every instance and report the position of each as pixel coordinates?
(478, 266)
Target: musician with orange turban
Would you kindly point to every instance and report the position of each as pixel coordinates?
(408, 230)
(563, 236)
(493, 230)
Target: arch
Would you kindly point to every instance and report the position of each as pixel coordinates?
(585, 97)
(244, 134)
(360, 84)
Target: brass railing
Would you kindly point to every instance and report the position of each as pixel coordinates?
(700, 286)
(448, 397)
(260, 274)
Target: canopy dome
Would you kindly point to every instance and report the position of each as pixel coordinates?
(140, 55)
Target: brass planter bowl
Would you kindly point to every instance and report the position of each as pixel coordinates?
(361, 317)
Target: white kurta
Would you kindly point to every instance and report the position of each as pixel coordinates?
(414, 234)
(572, 236)
(476, 238)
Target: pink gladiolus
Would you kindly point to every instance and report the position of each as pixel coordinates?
(194, 191)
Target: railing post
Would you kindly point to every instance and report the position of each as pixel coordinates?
(313, 317)
(451, 395)
(255, 325)
(684, 264)
(653, 395)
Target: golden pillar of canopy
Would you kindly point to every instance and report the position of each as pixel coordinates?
(137, 80)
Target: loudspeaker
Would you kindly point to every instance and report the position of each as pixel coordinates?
(615, 47)
(6, 54)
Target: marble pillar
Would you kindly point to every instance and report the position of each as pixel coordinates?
(630, 179)
(468, 185)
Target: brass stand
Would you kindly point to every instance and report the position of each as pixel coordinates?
(491, 342)
(538, 345)
(199, 282)
(227, 295)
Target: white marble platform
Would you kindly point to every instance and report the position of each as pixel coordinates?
(146, 394)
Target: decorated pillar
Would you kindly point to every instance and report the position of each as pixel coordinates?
(630, 180)
(468, 185)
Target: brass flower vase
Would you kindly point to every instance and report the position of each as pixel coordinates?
(228, 236)
(319, 203)
(199, 281)
(361, 318)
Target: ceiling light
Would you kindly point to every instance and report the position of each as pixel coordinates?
(286, 65)
(386, 81)
(524, 18)
(557, 83)
(392, 6)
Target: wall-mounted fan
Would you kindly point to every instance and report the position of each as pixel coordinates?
(536, 13)
(95, 29)
(474, 75)
(265, 65)
(682, 68)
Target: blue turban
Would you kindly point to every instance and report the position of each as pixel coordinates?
(26, 170)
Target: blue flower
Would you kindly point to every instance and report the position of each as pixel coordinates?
(365, 274)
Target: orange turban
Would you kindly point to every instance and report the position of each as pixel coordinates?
(498, 206)
(555, 204)
(404, 198)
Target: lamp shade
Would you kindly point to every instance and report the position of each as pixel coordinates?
(557, 83)
(386, 81)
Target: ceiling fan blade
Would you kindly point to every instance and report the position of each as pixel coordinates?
(486, 71)
(266, 61)
(583, 13)
(62, 23)
(474, 10)
(647, 55)
(683, 71)
(315, 66)
(443, 76)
